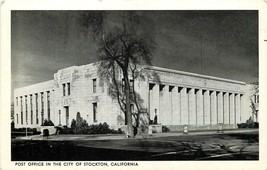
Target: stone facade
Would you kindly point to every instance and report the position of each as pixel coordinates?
(177, 98)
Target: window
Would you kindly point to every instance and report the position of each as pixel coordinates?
(68, 85)
(31, 109)
(59, 117)
(17, 116)
(17, 101)
(131, 86)
(26, 109)
(42, 106)
(36, 103)
(67, 115)
(21, 108)
(95, 112)
(48, 105)
(94, 85)
(64, 92)
(161, 87)
(31, 101)
(66, 89)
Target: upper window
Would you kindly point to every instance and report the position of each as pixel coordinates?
(94, 85)
(66, 89)
(68, 85)
(42, 102)
(31, 100)
(131, 85)
(64, 92)
(26, 103)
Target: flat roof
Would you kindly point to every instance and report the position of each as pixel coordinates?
(193, 74)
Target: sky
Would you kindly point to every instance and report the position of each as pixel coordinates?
(215, 43)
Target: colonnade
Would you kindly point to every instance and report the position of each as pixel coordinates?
(32, 109)
(180, 105)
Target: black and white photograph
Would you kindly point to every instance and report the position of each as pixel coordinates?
(132, 87)
(135, 85)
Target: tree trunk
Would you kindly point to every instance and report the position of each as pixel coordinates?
(128, 105)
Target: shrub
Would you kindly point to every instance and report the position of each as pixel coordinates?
(165, 129)
(256, 124)
(73, 124)
(99, 129)
(65, 130)
(47, 123)
(119, 131)
(83, 128)
(12, 125)
(143, 128)
(248, 125)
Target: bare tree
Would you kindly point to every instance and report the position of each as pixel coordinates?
(122, 45)
(253, 106)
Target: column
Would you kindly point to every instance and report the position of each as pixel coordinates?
(238, 118)
(164, 112)
(241, 106)
(175, 102)
(42, 107)
(168, 105)
(226, 108)
(45, 106)
(232, 108)
(52, 112)
(154, 101)
(213, 107)
(34, 108)
(220, 107)
(207, 107)
(180, 104)
(192, 107)
(19, 111)
(200, 102)
(184, 106)
(25, 114)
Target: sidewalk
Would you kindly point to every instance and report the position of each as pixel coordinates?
(80, 137)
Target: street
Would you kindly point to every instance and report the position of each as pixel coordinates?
(217, 146)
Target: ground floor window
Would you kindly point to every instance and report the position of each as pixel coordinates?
(48, 114)
(21, 118)
(31, 117)
(42, 118)
(67, 115)
(37, 120)
(95, 112)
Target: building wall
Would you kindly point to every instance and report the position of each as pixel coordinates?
(22, 98)
(196, 100)
(177, 98)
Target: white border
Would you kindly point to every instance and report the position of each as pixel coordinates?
(5, 70)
